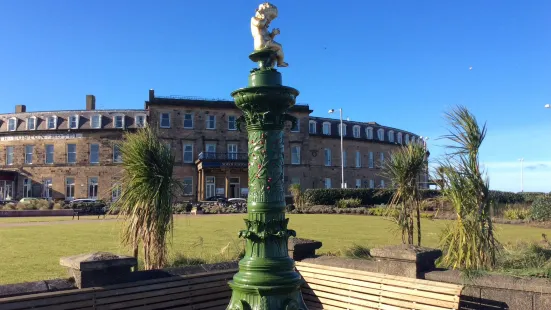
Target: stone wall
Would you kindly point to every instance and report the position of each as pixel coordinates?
(30, 213)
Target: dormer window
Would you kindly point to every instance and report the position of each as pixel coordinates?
(52, 122)
(312, 127)
(73, 121)
(356, 131)
(369, 132)
(381, 134)
(391, 136)
(96, 121)
(118, 121)
(139, 121)
(412, 139)
(326, 128)
(343, 129)
(399, 138)
(407, 138)
(31, 123)
(12, 124)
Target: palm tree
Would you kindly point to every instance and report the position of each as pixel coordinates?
(403, 169)
(469, 242)
(148, 189)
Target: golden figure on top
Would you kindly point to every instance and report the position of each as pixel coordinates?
(263, 38)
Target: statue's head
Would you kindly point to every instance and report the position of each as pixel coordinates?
(268, 10)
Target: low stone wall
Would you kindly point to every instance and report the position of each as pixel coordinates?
(30, 213)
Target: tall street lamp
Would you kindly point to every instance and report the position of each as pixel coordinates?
(521, 174)
(343, 185)
(426, 172)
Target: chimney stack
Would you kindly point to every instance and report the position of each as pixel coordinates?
(151, 95)
(20, 108)
(90, 102)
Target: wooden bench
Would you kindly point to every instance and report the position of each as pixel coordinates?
(338, 288)
(198, 291)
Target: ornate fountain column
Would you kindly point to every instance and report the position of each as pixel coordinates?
(267, 279)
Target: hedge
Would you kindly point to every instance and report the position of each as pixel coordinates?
(370, 197)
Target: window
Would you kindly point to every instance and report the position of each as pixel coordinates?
(29, 149)
(9, 155)
(139, 121)
(369, 133)
(327, 183)
(370, 163)
(412, 139)
(94, 153)
(232, 151)
(96, 121)
(343, 130)
(188, 186)
(326, 128)
(73, 121)
(312, 127)
(188, 153)
(165, 120)
(168, 146)
(295, 155)
(12, 124)
(295, 180)
(71, 153)
(371, 184)
(399, 138)
(382, 158)
(52, 122)
(31, 123)
(407, 138)
(27, 188)
(356, 131)
(116, 192)
(211, 121)
(117, 155)
(118, 121)
(381, 134)
(47, 188)
(391, 136)
(69, 188)
(358, 159)
(382, 183)
(93, 187)
(358, 183)
(232, 122)
(49, 154)
(188, 120)
(210, 150)
(344, 161)
(296, 127)
(327, 153)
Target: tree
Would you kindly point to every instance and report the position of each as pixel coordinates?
(297, 194)
(402, 170)
(148, 190)
(469, 242)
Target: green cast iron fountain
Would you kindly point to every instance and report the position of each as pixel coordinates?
(267, 279)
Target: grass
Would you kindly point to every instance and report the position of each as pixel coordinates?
(31, 253)
(49, 219)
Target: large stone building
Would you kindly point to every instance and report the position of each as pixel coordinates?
(75, 154)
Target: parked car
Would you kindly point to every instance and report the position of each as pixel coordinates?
(28, 200)
(218, 198)
(237, 201)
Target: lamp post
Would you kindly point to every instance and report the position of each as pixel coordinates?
(343, 185)
(521, 174)
(426, 172)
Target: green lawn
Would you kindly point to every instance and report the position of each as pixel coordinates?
(49, 219)
(30, 253)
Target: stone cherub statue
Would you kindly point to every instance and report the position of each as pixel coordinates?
(263, 38)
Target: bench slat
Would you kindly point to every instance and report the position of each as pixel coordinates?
(193, 302)
(45, 299)
(326, 302)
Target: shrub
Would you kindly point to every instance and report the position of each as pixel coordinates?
(367, 196)
(179, 208)
(90, 208)
(58, 206)
(298, 195)
(516, 214)
(289, 208)
(541, 208)
(349, 203)
(357, 251)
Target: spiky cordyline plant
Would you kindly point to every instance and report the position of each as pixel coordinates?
(148, 189)
(402, 170)
(469, 242)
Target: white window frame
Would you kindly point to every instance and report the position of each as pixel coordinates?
(407, 138)
(371, 183)
(369, 133)
(231, 154)
(344, 161)
(234, 122)
(412, 139)
(136, 123)
(297, 128)
(14, 120)
(381, 134)
(29, 156)
(358, 159)
(100, 121)
(54, 118)
(209, 154)
(328, 133)
(71, 186)
(184, 153)
(161, 120)
(9, 160)
(310, 123)
(382, 158)
(327, 160)
(295, 156)
(90, 184)
(371, 160)
(47, 190)
(115, 160)
(382, 184)
(192, 120)
(116, 191)
(27, 188)
(293, 179)
(67, 153)
(344, 129)
(327, 183)
(77, 121)
(46, 154)
(123, 119)
(90, 159)
(399, 137)
(34, 122)
(356, 131)
(358, 183)
(391, 136)
(208, 122)
(184, 187)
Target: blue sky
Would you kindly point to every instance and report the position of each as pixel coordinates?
(399, 63)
